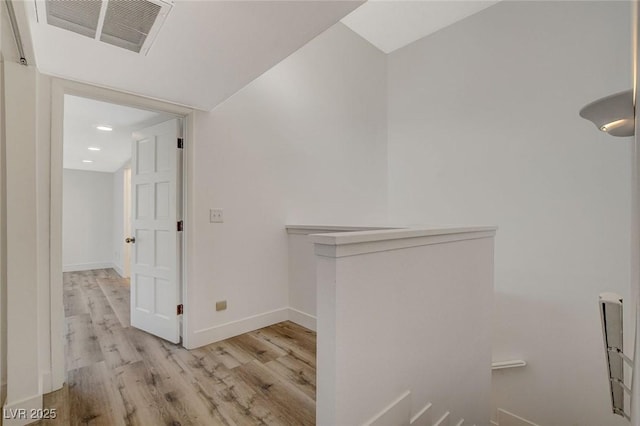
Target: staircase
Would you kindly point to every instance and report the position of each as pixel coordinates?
(506, 418)
(424, 418)
(398, 413)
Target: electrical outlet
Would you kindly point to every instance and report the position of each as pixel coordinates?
(215, 216)
(221, 306)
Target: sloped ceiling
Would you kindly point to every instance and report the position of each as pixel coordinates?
(392, 24)
(205, 52)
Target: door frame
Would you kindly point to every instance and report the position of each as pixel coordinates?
(60, 88)
(126, 253)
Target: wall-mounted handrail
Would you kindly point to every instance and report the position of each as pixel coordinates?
(501, 365)
(16, 31)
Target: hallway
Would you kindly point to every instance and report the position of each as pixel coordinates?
(118, 375)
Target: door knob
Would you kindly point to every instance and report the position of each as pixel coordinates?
(131, 240)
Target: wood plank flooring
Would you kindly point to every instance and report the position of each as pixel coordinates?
(119, 375)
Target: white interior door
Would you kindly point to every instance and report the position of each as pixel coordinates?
(127, 222)
(156, 208)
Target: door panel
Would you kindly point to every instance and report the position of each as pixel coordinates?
(155, 263)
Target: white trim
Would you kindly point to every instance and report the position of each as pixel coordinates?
(88, 266)
(493, 423)
(3, 395)
(423, 417)
(396, 413)
(230, 329)
(46, 382)
(443, 421)
(59, 88)
(344, 238)
(344, 244)
(189, 218)
(119, 270)
(318, 229)
(28, 404)
(303, 319)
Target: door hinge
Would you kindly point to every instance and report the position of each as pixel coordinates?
(180, 309)
(180, 143)
(180, 225)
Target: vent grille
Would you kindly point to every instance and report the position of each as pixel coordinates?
(79, 16)
(129, 24)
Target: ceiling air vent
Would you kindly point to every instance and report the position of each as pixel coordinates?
(129, 24)
(79, 16)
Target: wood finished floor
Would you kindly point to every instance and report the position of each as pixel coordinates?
(118, 375)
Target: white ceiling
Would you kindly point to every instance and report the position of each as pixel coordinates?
(392, 24)
(205, 52)
(82, 116)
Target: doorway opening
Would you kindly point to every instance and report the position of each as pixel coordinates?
(61, 90)
(122, 206)
(97, 174)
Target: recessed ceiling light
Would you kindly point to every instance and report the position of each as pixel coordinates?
(105, 128)
(94, 148)
(87, 161)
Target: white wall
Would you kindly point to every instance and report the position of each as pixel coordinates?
(407, 310)
(24, 270)
(87, 227)
(484, 128)
(43, 222)
(302, 278)
(302, 270)
(304, 143)
(313, 130)
(24, 373)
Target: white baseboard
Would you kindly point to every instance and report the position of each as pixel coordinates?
(506, 418)
(119, 270)
(396, 413)
(303, 319)
(46, 382)
(18, 413)
(214, 334)
(87, 266)
(443, 421)
(423, 417)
